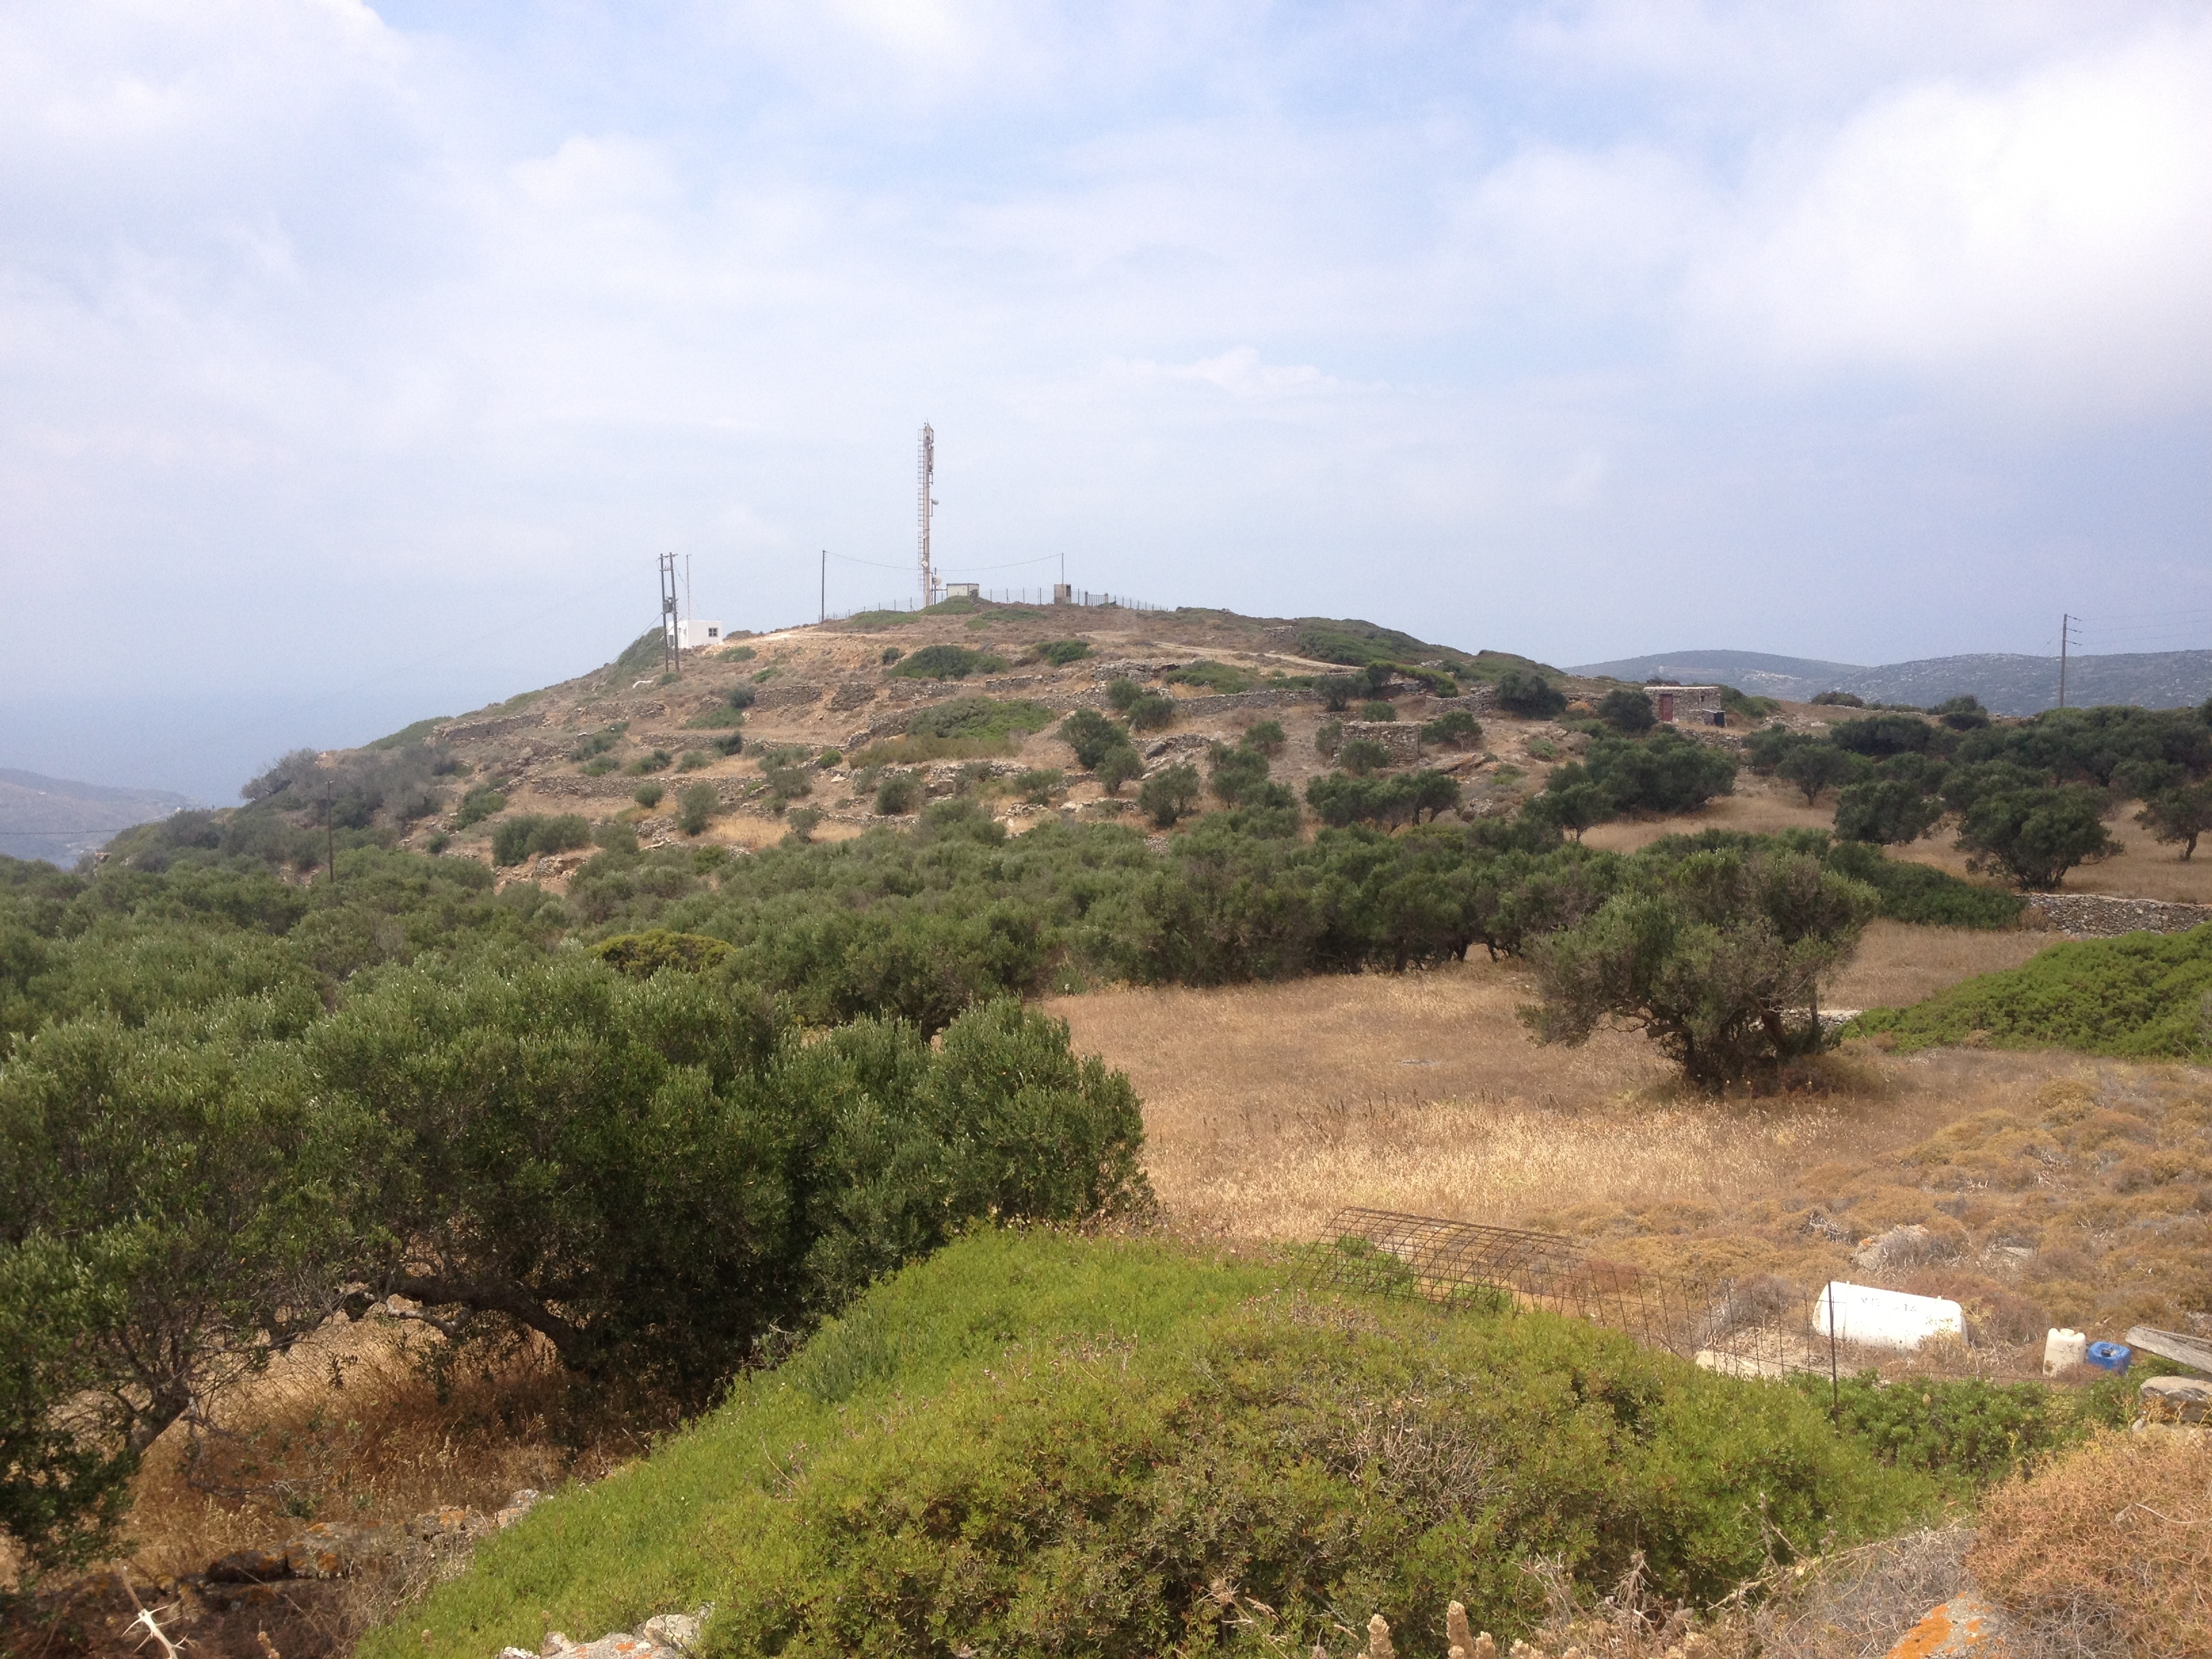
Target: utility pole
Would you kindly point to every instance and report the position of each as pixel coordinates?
(825, 616)
(2065, 640)
(671, 656)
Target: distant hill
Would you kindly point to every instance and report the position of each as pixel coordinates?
(59, 821)
(2007, 682)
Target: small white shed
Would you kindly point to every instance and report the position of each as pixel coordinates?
(692, 634)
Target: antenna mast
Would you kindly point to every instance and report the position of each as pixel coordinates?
(925, 468)
(672, 658)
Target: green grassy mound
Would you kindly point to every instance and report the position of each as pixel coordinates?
(1032, 1442)
(2140, 996)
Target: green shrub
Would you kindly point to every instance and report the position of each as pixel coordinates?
(2036, 835)
(1091, 735)
(1234, 774)
(694, 760)
(597, 742)
(1886, 812)
(1966, 1433)
(1962, 713)
(1377, 711)
(1627, 711)
(696, 808)
(1817, 767)
(2139, 996)
(1154, 712)
(1338, 691)
(1032, 1441)
(647, 795)
(736, 653)
(1839, 700)
(652, 761)
(1040, 784)
(1363, 756)
(1123, 693)
(897, 793)
(477, 806)
(803, 821)
(1329, 737)
(528, 833)
(1339, 800)
(1117, 766)
(641, 956)
(948, 662)
(1884, 734)
(1528, 694)
(1922, 895)
(1665, 772)
(891, 654)
(1454, 728)
(2178, 816)
(983, 718)
(1264, 736)
(615, 836)
(1170, 793)
(786, 783)
(1060, 652)
(1213, 676)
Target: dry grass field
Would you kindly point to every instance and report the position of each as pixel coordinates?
(2056, 1188)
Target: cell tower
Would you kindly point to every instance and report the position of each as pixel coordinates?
(925, 466)
(671, 656)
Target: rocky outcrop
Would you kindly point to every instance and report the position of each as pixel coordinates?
(664, 1635)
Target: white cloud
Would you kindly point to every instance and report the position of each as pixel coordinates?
(2049, 239)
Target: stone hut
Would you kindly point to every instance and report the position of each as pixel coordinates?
(1687, 705)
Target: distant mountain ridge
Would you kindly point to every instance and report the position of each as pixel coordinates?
(60, 821)
(2007, 683)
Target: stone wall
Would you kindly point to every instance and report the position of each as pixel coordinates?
(477, 730)
(2097, 917)
(1400, 739)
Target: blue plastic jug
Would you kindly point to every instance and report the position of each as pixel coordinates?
(2107, 1356)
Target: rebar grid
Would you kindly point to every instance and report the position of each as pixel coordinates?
(1728, 1325)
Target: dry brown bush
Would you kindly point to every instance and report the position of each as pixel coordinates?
(2116, 1538)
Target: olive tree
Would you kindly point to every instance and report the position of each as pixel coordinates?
(2178, 815)
(2036, 835)
(1717, 956)
(165, 1228)
(1815, 767)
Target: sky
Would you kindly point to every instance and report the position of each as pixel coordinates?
(357, 362)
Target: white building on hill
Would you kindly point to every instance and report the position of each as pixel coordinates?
(692, 634)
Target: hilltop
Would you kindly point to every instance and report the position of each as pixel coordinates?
(2007, 683)
(810, 718)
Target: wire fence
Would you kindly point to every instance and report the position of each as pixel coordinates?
(1039, 596)
(1754, 1326)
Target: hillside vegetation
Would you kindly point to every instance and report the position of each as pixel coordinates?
(2141, 996)
(1034, 1444)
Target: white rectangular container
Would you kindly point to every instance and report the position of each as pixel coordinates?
(1885, 1319)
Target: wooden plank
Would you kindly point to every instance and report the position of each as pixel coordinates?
(2183, 1350)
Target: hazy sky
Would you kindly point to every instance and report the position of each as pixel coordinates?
(356, 363)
